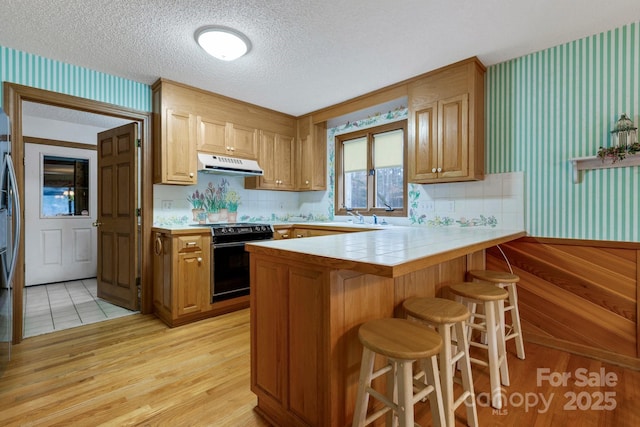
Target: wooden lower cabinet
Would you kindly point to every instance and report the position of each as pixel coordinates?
(181, 278)
(305, 352)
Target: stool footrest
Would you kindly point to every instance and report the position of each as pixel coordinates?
(381, 372)
(464, 396)
(459, 355)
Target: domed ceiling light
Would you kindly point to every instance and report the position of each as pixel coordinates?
(223, 43)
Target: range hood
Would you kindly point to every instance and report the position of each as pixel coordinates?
(212, 163)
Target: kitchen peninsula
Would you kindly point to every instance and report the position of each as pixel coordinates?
(309, 296)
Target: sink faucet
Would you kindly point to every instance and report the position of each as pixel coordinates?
(357, 215)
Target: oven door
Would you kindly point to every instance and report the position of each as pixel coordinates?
(229, 271)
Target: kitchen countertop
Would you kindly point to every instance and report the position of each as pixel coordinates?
(388, 251)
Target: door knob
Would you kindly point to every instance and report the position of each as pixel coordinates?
(96, 224)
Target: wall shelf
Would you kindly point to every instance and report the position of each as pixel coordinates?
(580, 164)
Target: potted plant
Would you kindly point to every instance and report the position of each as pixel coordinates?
(212, 204)
(221, 193)
(197, 204)
(232, 199)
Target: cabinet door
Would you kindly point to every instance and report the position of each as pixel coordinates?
(453, 138)
(424, 144)
(244, 141)
(267, 160)
(162, 274)
(312, 161)
(284, 159)
(269, 335)
(211, 136)
(305, 163)
(192, 282)
(180, 149)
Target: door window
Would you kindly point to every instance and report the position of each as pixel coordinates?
(65, 186)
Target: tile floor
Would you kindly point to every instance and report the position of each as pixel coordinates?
(64, 305)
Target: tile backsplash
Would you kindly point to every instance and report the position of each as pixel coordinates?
(497, 201)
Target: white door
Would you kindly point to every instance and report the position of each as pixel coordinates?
(60, 245)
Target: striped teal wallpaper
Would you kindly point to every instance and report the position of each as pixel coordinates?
(42, 73)
(547, 107)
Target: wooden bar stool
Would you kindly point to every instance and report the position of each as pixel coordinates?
(448, 318)
(402, 342)
(492, 299)
(506, 281)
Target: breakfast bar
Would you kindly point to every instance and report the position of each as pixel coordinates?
(309, 296)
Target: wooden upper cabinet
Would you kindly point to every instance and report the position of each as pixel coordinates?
(226, 139)
(446, 124)
(180, 159)
(187, 120)
(312, 156)
(277, 158)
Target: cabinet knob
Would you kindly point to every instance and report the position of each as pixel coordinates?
(439, 169)
(232, 149)
(307, 182)
(190, 174)
(199, 260)
(299, 236)
(433, 170)
(285, 236)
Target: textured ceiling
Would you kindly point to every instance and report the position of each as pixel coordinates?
(307, 54)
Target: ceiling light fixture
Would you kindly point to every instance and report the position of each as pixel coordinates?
(222, 42)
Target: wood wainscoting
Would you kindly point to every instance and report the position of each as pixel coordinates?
(577, 295)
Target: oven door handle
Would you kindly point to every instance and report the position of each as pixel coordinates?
(236, 244)
(227, 245)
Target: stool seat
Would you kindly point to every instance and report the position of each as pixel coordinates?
(400, 339)
(479, 291)
(402, 343)
(436, 310)
(494, 276)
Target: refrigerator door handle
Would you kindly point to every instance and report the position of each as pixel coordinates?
(13, 188)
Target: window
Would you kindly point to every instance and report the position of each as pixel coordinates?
(65, 186)
(370, 172)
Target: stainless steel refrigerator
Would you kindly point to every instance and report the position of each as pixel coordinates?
(9, 237)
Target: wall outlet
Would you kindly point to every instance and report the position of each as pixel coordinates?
(450, 206)
(428, 206)
(446, 206)
(167, 205)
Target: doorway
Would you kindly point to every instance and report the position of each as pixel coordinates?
(15, 95)
(60, 242)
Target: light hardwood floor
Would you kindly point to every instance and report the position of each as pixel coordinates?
(136, 371)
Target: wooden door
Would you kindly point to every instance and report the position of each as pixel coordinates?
(453, 138)
(117, 218)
